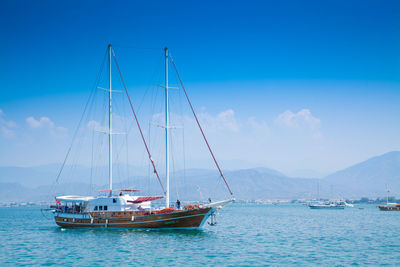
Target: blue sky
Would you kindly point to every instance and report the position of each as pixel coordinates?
(295, 85)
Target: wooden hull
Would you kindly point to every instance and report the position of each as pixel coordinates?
(186, 219)
(389, 208)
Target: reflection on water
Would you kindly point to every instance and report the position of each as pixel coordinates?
(133, 233)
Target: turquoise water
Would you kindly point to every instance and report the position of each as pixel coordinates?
(246, 235)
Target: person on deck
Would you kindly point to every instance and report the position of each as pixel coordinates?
(178, 204)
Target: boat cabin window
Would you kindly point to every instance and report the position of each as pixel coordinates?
(114, 200)
(100, 207)
(95, 208)
(105, 207)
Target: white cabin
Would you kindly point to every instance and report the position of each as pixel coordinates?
(116, 203)
(122, 202)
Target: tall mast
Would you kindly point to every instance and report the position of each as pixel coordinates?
(166, 128)
(387, 196)
(110, 123)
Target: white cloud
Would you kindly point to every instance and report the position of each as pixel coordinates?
(225, 120)
(96, 126)
(303, 118)
(42, 122)
(257, 125)
(300, 120)
(61, 129)
(93, 125)
(6, 132)
(229, 135)
(6, 127)
(46, 123)
(120, 124)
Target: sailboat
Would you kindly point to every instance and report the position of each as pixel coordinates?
(122, 208)
(389, 206)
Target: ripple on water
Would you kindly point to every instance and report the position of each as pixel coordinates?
(246, 235)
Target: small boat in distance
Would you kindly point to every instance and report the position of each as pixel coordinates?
(390, 207)
(121, 208)
(340, 204)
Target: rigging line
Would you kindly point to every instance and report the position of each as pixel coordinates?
(81, 138)
(80, 121)
(144, 96)
(184, 157)
(122, 145)
(148, 169)
(100, 140)
(87, 110)
(198, 123)
(91, 166)
(138, 124)
(93, 169)
(183, 133)
(128, 130)
(173, 166)
(150, 82)
(127, 154)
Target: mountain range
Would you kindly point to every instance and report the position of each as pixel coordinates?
(370, 178)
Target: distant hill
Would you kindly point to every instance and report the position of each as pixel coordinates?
(368, 178)
(263, 183)
(30, 183)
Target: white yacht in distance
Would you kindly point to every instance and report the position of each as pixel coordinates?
(339, 204)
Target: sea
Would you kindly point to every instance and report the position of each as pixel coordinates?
(245, 235)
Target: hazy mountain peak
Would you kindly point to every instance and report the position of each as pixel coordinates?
(369, 178)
